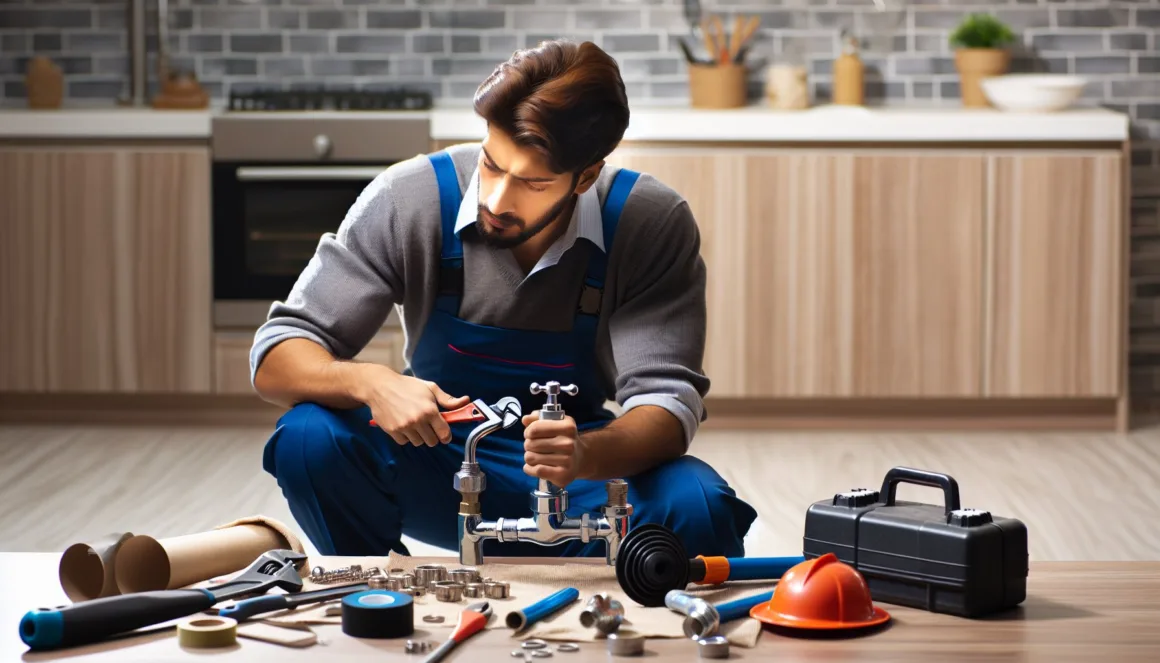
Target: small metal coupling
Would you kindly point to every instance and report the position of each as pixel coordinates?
(496, 590)
(713, 647)
(425, 574)
(617, 490)
(603, 613)
(448, 591)
(474, 590)
(625, 644)
(464, 575)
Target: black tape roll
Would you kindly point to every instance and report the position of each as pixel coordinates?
(378, 613)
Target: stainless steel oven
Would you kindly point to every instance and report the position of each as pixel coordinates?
(281, 179)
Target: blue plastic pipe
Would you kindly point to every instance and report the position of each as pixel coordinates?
(740, 608)
(521, 619)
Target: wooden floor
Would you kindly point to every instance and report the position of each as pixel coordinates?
(1083, 496)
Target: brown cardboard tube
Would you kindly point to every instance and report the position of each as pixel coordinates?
(87, 570)
(146, 564)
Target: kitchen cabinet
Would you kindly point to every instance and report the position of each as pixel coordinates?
(105, 269)
(835, 273)
(1056, 306)
(232, 357)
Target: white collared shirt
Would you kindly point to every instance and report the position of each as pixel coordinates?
(586, 222)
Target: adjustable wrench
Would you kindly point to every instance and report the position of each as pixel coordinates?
(91, 621)
(507, 408)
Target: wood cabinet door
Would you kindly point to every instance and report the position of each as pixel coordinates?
(917, 244)
(1055, 313)
(865, 273)
(712, 181)
(104, 270)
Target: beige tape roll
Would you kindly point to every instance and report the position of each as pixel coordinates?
(206, 632)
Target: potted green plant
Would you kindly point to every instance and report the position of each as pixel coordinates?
(982, 46)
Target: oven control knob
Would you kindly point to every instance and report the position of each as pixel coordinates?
(322, 145)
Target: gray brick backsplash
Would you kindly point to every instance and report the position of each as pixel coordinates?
(480, 19)
(428, 43)
(47, 42)
(109, 88)
(587, 19)
(448, 46)
(1128, 41)
(1101, 17)
(216, 67)
(228, 18)
(500, 44)
(1103, 64)
(1075, 42)
(371, 43)
(540, 19)
(333, 66)
(95, 42)
(283, 19)
(282, 67)
(403, 19)
(309, 43)
(256, 43)
(628, 43)
(204, 43)
(466, 44)
(332, 19)
(14, 43)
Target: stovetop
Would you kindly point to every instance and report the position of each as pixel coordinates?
(330, 100)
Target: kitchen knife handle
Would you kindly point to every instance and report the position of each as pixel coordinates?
(95, 620)
(243, 610)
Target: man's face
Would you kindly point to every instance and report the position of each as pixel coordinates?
(519, 196)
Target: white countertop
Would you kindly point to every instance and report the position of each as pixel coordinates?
(673, 123)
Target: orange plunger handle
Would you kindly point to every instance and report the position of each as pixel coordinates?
(716, 570)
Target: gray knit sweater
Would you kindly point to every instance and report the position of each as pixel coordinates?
(651, 334)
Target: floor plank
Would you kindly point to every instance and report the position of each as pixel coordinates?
(1083, 496)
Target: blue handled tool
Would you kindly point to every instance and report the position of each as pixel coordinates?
(520, 619)
(651, 561)
(95, 620)
(243, 610)
(739, 608)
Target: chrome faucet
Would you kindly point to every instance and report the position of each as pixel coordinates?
(549, 524)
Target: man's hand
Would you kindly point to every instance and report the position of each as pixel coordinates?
(552, 450)
(407, 408)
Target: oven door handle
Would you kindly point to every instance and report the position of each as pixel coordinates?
(312, 173)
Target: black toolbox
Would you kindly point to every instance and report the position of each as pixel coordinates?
(943, 559)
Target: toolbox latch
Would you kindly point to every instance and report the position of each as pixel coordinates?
(969, 517)
(856, 498)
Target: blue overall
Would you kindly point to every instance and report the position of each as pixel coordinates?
(355, 491)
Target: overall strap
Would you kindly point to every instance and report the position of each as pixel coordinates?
(451, 252)
(592, 294)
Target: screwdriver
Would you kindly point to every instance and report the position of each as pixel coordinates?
(471, 621)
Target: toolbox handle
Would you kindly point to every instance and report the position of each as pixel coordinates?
(899, 475)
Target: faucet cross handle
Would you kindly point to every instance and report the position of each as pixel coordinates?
(553, 389)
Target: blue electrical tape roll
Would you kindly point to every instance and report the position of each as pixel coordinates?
(378, 613)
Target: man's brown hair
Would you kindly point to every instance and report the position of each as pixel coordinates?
(562, 99)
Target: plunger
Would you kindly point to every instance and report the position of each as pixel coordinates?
(651, 561)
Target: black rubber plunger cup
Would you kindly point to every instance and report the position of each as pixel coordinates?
(651, 561)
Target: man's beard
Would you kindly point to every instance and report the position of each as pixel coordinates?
(528, 231)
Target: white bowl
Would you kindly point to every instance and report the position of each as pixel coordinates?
(1033, 93)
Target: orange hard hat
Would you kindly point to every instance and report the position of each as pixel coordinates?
(821, 593)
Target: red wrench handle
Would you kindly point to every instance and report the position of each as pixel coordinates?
(469, 412)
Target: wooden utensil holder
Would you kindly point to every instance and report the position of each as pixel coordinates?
(718, 85)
